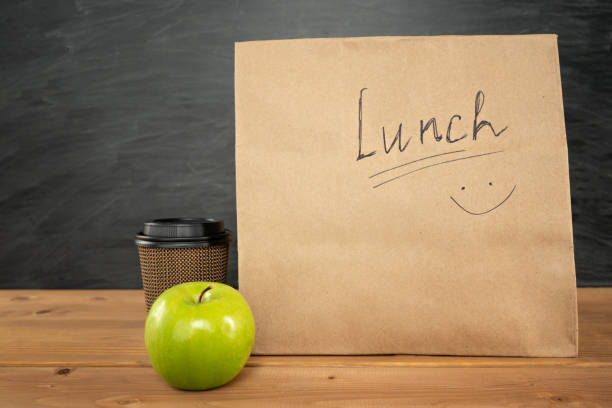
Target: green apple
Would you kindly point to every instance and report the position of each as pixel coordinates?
(199, 335)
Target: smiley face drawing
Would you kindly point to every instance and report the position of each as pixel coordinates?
(471, 212)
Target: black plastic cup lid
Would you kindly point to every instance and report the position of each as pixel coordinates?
(183, 233)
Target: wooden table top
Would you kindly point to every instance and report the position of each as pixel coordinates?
(78, 348)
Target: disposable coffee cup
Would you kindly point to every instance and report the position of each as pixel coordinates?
(178, 250)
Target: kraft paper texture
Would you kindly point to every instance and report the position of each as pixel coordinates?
(405, 195)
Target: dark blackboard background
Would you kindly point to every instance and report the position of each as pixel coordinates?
(115, 112)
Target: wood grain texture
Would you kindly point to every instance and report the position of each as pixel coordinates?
(313, 386)
(65, 348)
(115, 112)
(105, 328)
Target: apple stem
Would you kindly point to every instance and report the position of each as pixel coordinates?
(203, 292)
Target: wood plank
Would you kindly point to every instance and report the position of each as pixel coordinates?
(105, 328)
(83, 327)
(320, 386)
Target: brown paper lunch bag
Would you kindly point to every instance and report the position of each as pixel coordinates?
(405, 195)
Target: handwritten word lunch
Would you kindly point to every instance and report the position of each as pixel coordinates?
(430, 127)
